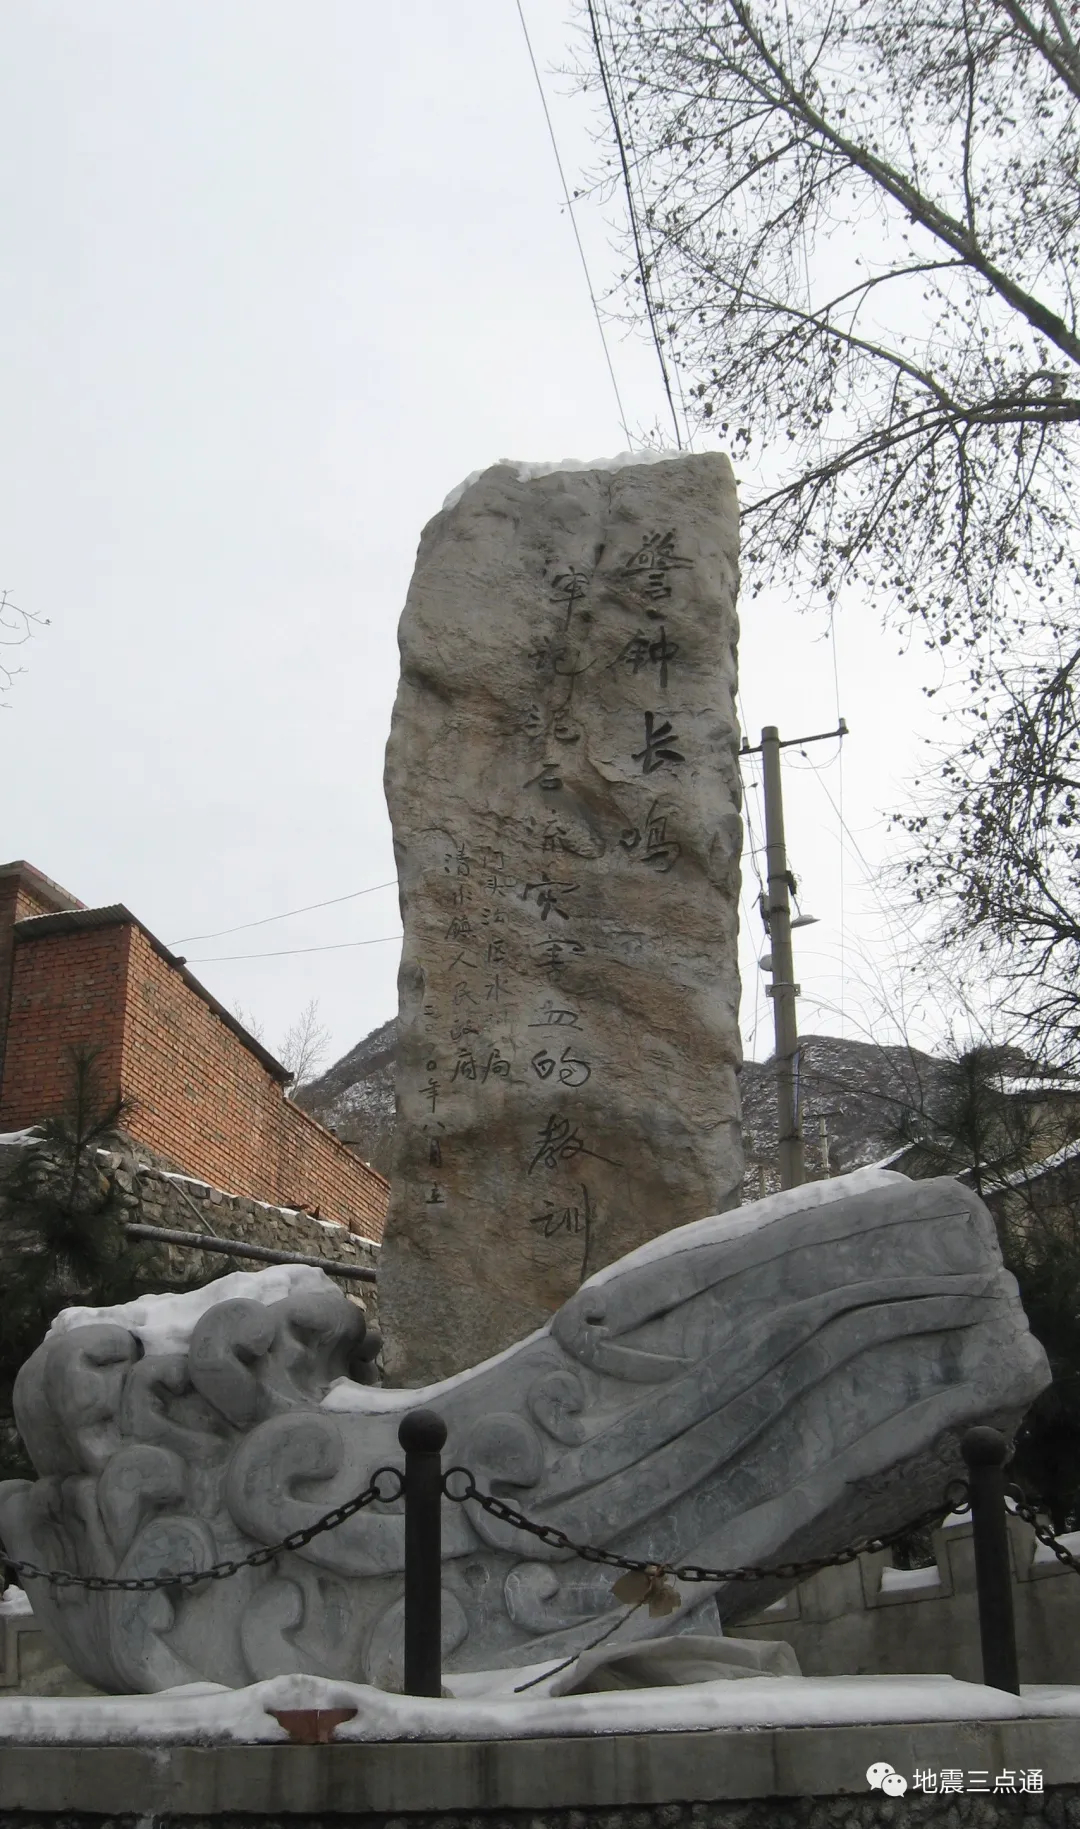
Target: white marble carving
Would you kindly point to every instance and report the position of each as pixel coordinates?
(766, 1384)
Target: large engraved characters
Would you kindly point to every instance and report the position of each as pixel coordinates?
(764, 1384)
(563, 783)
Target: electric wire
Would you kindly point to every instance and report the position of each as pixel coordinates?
(334, 901)
(635, 164)
(754, 853)
(758, 1011)
(749, 759)
(220, 932)
(757, 849)
(287, 952)
(624, 163)
(840, 813)
(921, 944)
(757, 977)
(756, 867)
(573, 223)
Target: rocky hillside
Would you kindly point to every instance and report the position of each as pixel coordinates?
(355, 1097)
(861, 1090)
(863, 1093)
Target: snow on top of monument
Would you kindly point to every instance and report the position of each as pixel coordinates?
(165, 1324)
(526, 471)
(203, 1713)
(387, 1399)
(383, 1400)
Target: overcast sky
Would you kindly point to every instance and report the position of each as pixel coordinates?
(277, 274)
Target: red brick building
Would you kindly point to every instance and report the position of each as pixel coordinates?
(206, 1095)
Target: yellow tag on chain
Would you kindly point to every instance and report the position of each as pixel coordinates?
(653, 1586)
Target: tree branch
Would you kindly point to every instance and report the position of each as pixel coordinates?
(928, 215)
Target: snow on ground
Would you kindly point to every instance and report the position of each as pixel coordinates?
(1070, 1539)
(206, 1712)
(903, 1581)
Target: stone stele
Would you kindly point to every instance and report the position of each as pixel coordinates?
(766, 1385)
(562, 777)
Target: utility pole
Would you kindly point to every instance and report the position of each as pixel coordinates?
(777, 916)
(823, 1136)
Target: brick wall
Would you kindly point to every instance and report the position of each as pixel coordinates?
(311, 1159)
(246, 1137)
(175, 1050)
(23, 892)
(154, 1194)
(67, 990)
(207, 1096)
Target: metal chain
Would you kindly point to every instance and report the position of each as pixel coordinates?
(956, 1498)
(793, 1571)
(218, 1571)
(1026, 1510)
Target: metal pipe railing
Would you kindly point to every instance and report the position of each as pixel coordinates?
(234, 1247)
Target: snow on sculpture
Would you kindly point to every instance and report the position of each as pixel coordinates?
(766, 1384)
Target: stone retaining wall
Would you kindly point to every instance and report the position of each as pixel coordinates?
(1058, 1809)
(866, 1616)
(155, 1194)
(768, 1778)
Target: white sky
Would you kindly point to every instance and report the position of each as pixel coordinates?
(276, 275)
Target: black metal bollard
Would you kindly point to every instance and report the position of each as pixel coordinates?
(984, 1451)
(422, 1434)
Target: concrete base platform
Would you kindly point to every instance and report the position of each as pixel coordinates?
(595, 1772)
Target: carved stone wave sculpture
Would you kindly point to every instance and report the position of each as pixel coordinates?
(763, 1385)
(562, 776)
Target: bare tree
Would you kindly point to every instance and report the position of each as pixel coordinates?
(855, 236)
(859, 229)
(250, 1022)
(304, 1045)
(995, 854)
(16, 627)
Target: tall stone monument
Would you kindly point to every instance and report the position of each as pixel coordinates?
(563, 782)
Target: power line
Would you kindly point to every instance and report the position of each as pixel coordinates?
(574, 226)
(756, 867)
(754, 784)
(923, 946)
(220, 932)
(288, 951)
(756, 849)
(642, 268)
(840, 809)
(636, 165)
(757, 976)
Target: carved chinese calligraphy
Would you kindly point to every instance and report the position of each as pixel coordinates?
(563, 785)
